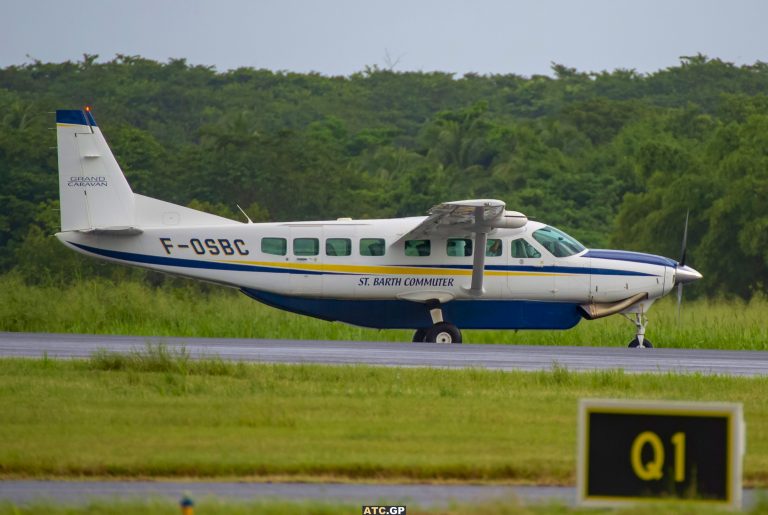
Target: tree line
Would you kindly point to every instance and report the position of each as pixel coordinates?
(614, 158)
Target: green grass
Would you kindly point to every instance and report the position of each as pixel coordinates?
(217, 507)
(156, 414)
(103, 307)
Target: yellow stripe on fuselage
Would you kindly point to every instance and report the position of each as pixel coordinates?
(387, 270)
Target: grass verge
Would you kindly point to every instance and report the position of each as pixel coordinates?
(99, 306)
(215, 507)
(156, 414)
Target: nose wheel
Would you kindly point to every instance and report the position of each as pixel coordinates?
(636, 343)
(441, 331)
(640, 341)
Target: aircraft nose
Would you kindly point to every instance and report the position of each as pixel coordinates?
(685, 274)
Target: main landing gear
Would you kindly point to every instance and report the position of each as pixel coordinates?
(640, 340)
(441, 331)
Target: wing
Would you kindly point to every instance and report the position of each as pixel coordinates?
(463, 218)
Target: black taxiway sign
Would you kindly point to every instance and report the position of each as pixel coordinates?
(644, 451)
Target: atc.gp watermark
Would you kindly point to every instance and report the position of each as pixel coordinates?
(384, 510)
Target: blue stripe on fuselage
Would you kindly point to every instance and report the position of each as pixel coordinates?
(554, 269)
(634, 257)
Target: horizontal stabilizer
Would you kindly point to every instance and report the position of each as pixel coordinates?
(113, 231)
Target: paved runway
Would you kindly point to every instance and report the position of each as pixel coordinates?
(503, 357)
(26, 491)
(22, 492)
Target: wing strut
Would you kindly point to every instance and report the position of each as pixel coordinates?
(478, 261)
(456, 219)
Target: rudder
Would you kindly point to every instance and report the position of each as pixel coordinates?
(93, 190)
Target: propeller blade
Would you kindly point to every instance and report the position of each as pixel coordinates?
(684, 249)
(679, 300)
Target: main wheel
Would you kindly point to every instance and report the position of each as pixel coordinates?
(635, 343)
(419, 335)
(443, 332)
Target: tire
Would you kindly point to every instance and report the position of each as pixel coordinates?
(646, 344)
(419, 335)
(443, 332)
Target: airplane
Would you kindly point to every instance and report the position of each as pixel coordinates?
(469, 264)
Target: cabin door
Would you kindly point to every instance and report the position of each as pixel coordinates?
(530, 273)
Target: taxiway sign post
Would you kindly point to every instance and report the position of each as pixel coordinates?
(635, 451)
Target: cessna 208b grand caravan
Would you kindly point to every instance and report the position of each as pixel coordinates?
(469, 264)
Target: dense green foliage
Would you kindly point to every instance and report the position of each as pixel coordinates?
(616, 158)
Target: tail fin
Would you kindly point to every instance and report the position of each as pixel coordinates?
(93, 191)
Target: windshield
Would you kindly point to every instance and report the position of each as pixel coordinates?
(557, 242)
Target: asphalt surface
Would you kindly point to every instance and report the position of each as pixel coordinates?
(21, 492)
(499, 357)
(76, 492)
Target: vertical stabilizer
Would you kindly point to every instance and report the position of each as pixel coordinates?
(93, 191)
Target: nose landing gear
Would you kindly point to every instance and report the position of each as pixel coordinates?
(640, 341)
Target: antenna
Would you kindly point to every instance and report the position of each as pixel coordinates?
(88, 118)
(244, 214)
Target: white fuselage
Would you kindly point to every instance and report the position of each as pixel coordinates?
(250, 256)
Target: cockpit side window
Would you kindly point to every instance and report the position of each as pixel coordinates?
(523, 249)
(557, 242)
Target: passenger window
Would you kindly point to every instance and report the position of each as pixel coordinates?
(275, 246)
(306, 247)
(493, 248)
(338, 247)
(372, 246)
(523, 249)
(458, 247)
(418, 247)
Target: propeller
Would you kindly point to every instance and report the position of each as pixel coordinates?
(685, 240)
(683, 251)
(684, 274)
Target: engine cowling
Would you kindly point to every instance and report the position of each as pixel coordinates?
(510, 220)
